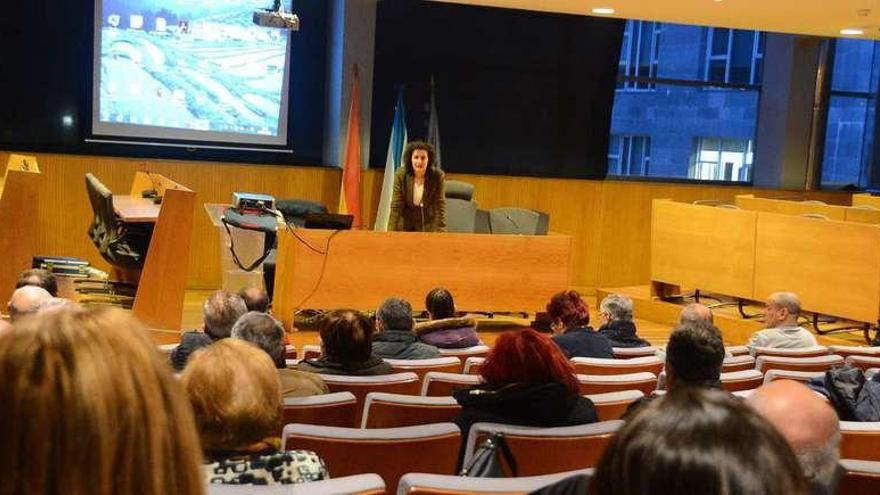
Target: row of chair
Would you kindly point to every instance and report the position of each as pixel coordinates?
(859, 477)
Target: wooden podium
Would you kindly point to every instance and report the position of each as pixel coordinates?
(325, 269)
(19, 198)
(159, 299)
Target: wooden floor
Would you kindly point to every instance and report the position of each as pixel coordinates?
(654, 326)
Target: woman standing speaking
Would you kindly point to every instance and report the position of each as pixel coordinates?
(419, 200)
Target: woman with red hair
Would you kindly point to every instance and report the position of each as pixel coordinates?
(526, 381)
(570, 321)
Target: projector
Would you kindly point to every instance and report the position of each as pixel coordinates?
(251, 201)
(276, 19)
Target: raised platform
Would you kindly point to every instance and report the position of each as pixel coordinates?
(735, 329)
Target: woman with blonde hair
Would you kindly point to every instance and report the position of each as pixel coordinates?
(236, 397)
(90, 406)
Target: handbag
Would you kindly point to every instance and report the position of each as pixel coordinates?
(486, 462)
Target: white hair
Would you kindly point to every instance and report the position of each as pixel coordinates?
(618, 306)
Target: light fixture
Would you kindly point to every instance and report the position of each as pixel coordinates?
(851, 32)
(603, 11)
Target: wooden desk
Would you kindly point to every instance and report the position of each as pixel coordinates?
(702, 247)
(362, 268)
(135, 209)
(786, 207)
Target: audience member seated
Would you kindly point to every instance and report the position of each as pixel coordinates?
(26, 300)
(696, 440)
(236, 398)
(394, 338)
(255, 299)
(526, 381)
(40, 278)
(267, 333)
(570, 320)
(809, 424)
(221, 310)
(694, 355)
(616, 315)
(696, 313)
(780, 316)
(346, 346)
(89, 406)
(446, 330)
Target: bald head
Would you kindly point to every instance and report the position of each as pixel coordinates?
(695, 313)
(807, 422)
(26, 300)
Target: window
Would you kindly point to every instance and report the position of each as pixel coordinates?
(639, 55)
(850, 128)
(629, 155)
(722, 159)
(680, 87)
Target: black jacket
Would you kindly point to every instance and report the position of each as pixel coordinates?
(584, 342)
(542, 404)
(325, 366)
(622, 334)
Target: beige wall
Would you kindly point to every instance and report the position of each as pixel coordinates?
(609, 220)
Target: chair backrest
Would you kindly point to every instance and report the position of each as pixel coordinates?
(816, 350)
(360, 386)
(461, 215)
(104, 225)
(467, 352)
(742, 380)
(458, 189)
(851, 350)
(859, 477)
(737, 350)
(359, 484)
(859, 440)
(599, 384)
(870, 372)
(548, 450)
(513, 220)
(334, 409)
(389, 452)
(634, 352)
(289, 351)
(612, 405)
(311, 351)
(449, 364)
(737, 363)
(817, 363)
(439, 484)
(863, 362)
(383, 410)
(472, 365)
(601, 366)
(438, 384)
(800, 376)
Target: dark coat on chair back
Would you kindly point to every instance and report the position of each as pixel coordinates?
(410, 217)
(449, 333)
(326, 366)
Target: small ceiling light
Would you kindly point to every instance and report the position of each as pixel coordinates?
(851, 32)
(603, 11)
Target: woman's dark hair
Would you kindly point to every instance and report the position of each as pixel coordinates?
(569, 308)
(410, 148)
(698, 441)
(440, 304)
(526, 356)
(346, 335)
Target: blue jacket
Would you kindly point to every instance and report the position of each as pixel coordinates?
(584, 342)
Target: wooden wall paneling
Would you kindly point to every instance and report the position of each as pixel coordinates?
(20, 198)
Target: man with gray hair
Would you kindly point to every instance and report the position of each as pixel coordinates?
(395, 338)
(26, 300)
(267, 333)
(219, 313)
(780, 317)
(810, 426)
(616, 317)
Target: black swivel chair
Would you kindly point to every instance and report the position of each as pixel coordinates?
(123, 246)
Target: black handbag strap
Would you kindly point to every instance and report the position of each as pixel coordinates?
(499, 440)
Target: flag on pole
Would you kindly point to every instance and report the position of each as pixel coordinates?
(434, 127)
(393, 161)
(350, 187)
